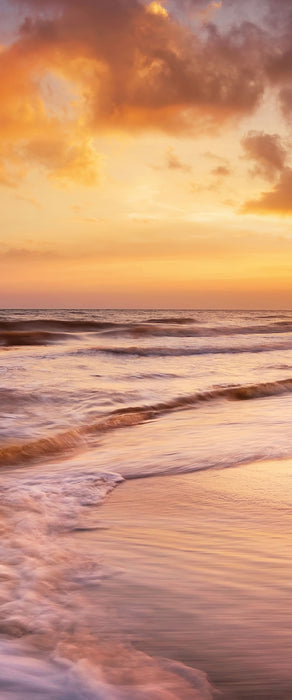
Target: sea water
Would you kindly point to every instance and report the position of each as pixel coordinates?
(185, 569)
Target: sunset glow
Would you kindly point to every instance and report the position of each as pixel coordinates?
(145, 153)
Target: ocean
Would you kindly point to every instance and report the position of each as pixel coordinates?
(146, 512)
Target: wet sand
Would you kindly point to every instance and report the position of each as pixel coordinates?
(200, 570)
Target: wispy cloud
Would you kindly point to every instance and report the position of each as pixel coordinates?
(29, 200)
(221, 171)
(173, 162)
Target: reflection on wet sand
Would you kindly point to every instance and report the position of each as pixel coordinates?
(203, 573)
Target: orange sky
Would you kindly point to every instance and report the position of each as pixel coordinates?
(145, 153)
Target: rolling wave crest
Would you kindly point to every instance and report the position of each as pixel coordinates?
(65, 442)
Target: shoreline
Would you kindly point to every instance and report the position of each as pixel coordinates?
(194, 576)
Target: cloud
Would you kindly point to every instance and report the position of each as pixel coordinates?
(5, 178)
(155, 8)
(196, 188)
(87, 219)
(285, 97)
(270, 156)
(135, 63)
(221, 171)
(75, 161)
(266, 151)
(147, 70)
(29, 200)
(279, 66)
(279, 61)
(278, 200)
(174, 163)
(207, 13)
(23, 255)
(131, 66)
(30, 133)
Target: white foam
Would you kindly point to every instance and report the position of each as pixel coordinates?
(43, 604)
(28, 676)
(39, 565)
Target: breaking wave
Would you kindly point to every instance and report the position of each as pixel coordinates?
(46, 448)
(67, 675)
(44, 654)
(69, 440)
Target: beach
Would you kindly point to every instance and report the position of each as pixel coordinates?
(202, 573)
(146, 463)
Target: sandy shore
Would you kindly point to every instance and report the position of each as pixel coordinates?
(200, 570)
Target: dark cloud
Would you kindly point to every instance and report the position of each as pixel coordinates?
(142, 69)
(270, 156)
(266, 151)
(279, 63)
(279, 67)
(278, 200)
(285, 97)
(135, 66)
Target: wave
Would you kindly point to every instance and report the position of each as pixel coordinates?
(44, 331)
(157, 331)
(231, 393)
(51, 648)
(64, 443)
(21, 338)
(40, 338)
(84, 324)
(186, 468)
(43, 324)
(281, 365)
(161, 351)
(172, 319)
(33, 513)
(15, 401)
(46, 447)
(68, 441)
(153, 375)
(168, 329)
(74, 674)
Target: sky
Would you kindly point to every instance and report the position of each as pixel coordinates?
(145, 154)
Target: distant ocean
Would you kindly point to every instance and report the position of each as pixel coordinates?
(91, 400)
